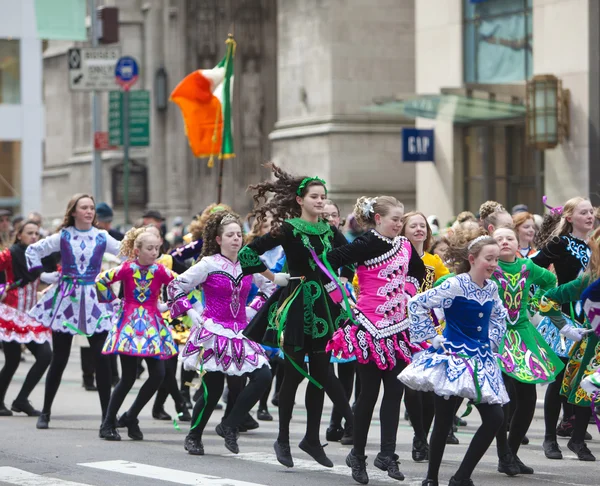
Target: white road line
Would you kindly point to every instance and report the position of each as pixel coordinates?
(310, 465)
(165, 474)
(12, 475)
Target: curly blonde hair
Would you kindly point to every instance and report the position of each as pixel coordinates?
(133, 239)
(214, 228)
(381, 205)
(460, 247)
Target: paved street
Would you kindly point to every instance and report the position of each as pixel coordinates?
(70, 453)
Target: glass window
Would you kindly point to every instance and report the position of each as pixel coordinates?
(498, 41)
(10, 170)
(10, 72)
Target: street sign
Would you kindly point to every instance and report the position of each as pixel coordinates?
(417, 145)
(139, 118)
(101, 141)
(93, 68)
(126, 72)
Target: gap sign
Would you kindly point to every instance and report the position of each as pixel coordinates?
(417, 145)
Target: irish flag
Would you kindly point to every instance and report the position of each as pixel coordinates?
(204, 98)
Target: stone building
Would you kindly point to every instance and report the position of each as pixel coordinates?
(304, 71)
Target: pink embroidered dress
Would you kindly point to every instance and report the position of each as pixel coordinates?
(225, 290)
(389, 272)
(138, 327)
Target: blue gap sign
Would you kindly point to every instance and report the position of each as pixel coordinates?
(417, 145)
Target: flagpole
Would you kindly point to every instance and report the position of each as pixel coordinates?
(221, 157)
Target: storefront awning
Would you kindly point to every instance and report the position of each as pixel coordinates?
(450, 107)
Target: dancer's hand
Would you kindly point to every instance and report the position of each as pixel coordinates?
(162, 307)
(50, 277)
(591, 384)
(437, 341)
(194, 317)
(281, 279)
(573, 333)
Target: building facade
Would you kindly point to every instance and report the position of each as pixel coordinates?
(21, 108)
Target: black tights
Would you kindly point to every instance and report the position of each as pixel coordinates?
(523, 397)
(129, 368)
(318, 367)
(420, 407)
(346, 372)
(169, 387)
(12, 355)
(336, 393)
(492, 417)
(247, 398)
(389, 413)
(552, 404)
(61, 344)
(276, 366)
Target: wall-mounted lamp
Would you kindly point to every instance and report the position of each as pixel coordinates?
(547, 116)
(161, 97)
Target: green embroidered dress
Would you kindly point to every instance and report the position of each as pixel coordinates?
(311, 316)
(584, 356)
(524, 354)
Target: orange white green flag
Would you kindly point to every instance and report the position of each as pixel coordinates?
(204, 98)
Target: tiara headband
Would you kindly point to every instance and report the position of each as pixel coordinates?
(477, 240)
(556, 210)
(229, 218)
(308, 180)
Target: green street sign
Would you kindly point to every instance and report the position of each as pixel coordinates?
(139, 118)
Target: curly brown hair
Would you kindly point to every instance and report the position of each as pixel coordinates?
(197, 225)
(545, 234)
(214, 228)
(277, 197)
(69, 219)
(460, 249)
(488, 213)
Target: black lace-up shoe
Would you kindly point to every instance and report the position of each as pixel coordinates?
(283, 453)
(582, 451)
(316, 452)
(389, 464)
(230, 434)
(43, 421)
(193, 445)
(358, 464)
(133, 428)
(25, 407)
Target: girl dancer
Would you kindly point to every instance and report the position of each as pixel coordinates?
(300, 317)
(389, 272)
(525, 228)
(492, 215)
(418, 232)
(138, 329)
(567, 250)
(17, 295)
(216, 345)
(461, 362)
(525, 358)
(73, 308)
(584, 356)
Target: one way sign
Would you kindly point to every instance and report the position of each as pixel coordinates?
(93, 68)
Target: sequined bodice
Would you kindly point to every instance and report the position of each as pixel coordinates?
(81, 253)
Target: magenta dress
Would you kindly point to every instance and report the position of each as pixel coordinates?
(138, 328)
(389, 273)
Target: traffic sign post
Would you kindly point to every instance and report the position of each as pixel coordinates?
(93, 68)
(126, 75)
(139, 118)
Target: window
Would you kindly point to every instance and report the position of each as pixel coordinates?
(498, 41)
(499, 166)
(10, 72)
(10, 171)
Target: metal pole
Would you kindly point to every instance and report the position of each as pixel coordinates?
(125, 128)
(96, 117)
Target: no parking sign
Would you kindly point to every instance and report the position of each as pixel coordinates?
(126, 72)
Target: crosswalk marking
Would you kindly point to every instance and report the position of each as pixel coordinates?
(12, 475)
(165, 474)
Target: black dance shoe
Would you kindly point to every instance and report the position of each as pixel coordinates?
(523, 469)
(133, 428)
(420, 450)
(582, 451)
(430, 482)
(459, 422)
(264, 415)
(452, 439)
(316, 452)
(43, 421)
(25, 407)
(358, 464)
(283, 453)
(4, 412)
(275, 399)
(389, 464)
(109, 432)
(183, 413)
(508, 465)
(348, 437)
(334, 433)
(193, 445)
(230, 434)
(160, 414)
(551, 449)
(461, 482)
(249, 423)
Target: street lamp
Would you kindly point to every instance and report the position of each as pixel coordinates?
(547, 116)
(161, 97)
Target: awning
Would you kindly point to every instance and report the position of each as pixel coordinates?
(451, 107)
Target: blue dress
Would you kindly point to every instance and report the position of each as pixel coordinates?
(475, 325)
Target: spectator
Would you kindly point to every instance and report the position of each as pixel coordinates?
(519, 208)
(5, 240)
(104, 216)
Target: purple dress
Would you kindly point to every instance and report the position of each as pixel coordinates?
(74, 299)
(224, 317)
